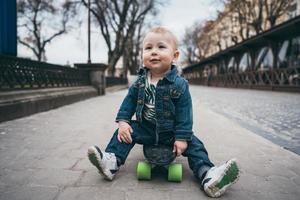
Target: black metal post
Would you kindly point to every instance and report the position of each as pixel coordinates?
(89, 33)
(8, 28)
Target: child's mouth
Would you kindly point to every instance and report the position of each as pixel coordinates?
(154, 60)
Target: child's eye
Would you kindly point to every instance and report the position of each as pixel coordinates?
(147, 48)
(162, 47)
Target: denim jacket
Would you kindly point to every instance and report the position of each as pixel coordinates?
(173, 104)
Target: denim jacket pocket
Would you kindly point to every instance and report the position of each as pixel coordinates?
(175, 93)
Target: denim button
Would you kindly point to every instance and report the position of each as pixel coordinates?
(140, 101)
(166, 97)
(167, 114)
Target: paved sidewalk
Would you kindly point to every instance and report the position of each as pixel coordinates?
(44, 157)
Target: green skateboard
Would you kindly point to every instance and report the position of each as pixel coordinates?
(159, 157)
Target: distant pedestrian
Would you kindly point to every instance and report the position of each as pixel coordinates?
(161, 100)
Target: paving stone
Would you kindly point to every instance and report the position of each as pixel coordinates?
(148, 194)
(94, 179)
(54, 177)
(55, 163)
(91, 193)
(29, 193)
(196, 194)
(11, 178)
(83, 164)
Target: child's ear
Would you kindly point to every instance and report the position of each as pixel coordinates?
(176, 56)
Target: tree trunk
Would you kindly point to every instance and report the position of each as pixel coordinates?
(39, 56)
(112, 62)
(272, 21)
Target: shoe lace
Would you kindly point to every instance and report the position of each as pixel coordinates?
(111, 161)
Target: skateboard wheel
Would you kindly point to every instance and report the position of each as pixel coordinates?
(143, 170)
(175, 172)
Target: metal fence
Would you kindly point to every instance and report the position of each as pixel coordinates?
(287, 79)
(111, 81)
(19, 73)
(269, 60)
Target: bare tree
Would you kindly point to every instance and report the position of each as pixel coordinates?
(275, 9)
(191, 51)
(235, 24)
(197, 41)
(256, 15)
(242, 9)
(132, 52)
(251, 12)
(117, 20)
(206, 41)
(247, 17)
(132, 58)
(250, 15)
(220, 30)
(40, 21)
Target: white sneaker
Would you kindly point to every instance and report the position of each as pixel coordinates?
(218, 179)
(106, 163)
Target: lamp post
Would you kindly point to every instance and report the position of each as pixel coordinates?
(96, 70)
(89, 33)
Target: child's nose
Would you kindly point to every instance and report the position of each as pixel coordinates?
(154, 51)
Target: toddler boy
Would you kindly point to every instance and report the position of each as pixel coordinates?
(161, 100)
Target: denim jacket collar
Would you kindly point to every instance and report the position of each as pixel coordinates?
(170, 75)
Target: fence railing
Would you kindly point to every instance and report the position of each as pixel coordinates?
(287, 78)
(20, 73)
(111, 81)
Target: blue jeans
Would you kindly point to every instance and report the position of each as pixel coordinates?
(144, 133)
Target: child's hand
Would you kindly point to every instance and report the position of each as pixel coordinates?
(124, 133)
(179, 147)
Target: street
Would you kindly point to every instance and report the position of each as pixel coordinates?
(43, 156)
(273, 115)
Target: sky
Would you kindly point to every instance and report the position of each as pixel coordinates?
(71, 48)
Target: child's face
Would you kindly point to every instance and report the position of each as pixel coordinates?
(159, 52)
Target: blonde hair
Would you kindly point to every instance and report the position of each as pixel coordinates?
(163, 30)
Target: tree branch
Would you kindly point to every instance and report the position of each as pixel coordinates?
(28, 46)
